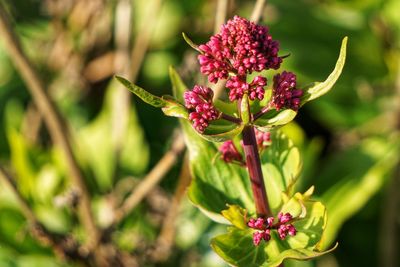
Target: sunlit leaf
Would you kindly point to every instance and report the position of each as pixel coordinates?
(318, 89)
(150, 99)
(174, 109)
(215, 183)
(356, 189)
(281, 166)
(275, 118)
(237, 248)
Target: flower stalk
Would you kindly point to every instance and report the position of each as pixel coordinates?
(254, 168)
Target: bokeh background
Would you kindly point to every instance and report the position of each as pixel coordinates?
(349, 138)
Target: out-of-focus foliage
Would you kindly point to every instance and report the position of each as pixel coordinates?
(348, 138)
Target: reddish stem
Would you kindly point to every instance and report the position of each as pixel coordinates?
(254, 168)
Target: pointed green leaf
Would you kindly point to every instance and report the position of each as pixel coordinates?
(191, 43)
(221, 130)
(178, 86)
(236, 215)
(215, 183)
(229, 108)
(151, 99)
(320, 88)
(237, 248)
(275, 118)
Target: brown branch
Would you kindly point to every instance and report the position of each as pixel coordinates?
(151, 179)
(257, 11)
(220, 15)
(52, 118)
(165, 240)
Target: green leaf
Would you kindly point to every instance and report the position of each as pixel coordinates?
(221, 130)
(357, 188)
(215, 183)
(281, 165)
(318, 89)
(236, 215)
(98, 149)
(174, 109)
(226, 107)
(237, 248)
(275, 118)
(178, 86)
(150, 99)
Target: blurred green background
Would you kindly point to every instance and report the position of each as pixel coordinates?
(349, 138)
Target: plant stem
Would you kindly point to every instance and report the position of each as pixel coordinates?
(254, 168)
(230, 118)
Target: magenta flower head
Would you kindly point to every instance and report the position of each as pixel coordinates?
(284, 92)
(238, 87)
(263, 227)
(230, 153)
(263, 139)
(201, 108)
(241, 47)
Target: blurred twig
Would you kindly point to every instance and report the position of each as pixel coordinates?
(165, 240)
(151, 179)
(53, 120)
(220, 15)
(128, 63)
(257, 11)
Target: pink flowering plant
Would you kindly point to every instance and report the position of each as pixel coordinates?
(251, 184)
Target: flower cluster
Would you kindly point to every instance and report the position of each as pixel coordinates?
(229, 153)
(238, 87)
(201, 108)
(241, 47)
(284, 93)
(263, 227)
(263, 139)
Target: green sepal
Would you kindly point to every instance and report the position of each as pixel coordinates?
(173, 108)
(318, 89)
(150, 99)
(191, 43)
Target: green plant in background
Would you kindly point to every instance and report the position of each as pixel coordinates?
(270, 221)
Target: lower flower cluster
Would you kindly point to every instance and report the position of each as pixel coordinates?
(264, 227)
